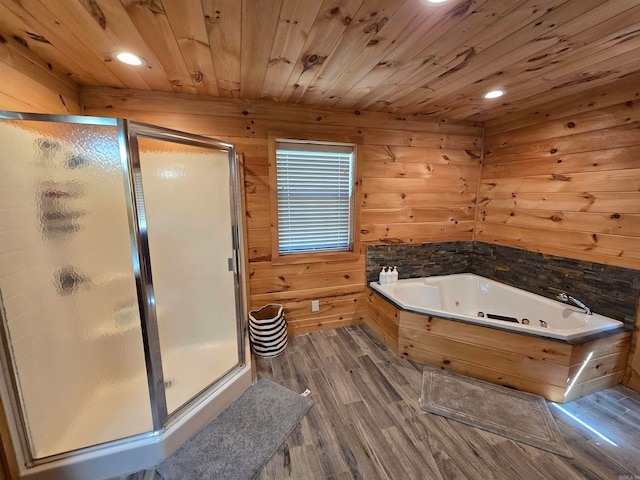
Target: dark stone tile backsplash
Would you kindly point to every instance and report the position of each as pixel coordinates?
(419, 259)
(608, 290)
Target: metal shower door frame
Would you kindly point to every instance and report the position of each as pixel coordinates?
(128, 132)
(14, 405)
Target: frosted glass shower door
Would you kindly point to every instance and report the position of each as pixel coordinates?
(69, 309)
(186, 192)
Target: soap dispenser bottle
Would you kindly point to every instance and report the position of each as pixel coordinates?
(394, 275)
(387, 275)
(382, 278)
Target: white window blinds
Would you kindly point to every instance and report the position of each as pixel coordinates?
(315, 190)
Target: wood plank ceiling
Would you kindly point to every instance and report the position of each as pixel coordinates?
(400, 56)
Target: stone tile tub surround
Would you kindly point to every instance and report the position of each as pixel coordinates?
(416, 260)
(609, 290)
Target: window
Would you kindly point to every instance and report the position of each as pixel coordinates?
(314, 197)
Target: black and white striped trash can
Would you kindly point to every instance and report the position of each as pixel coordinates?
(268, 330)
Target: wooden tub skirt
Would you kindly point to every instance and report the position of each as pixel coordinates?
(557, 370)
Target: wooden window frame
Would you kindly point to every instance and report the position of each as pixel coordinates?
(322, 256)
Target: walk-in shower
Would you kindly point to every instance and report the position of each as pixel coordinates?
(121, 293)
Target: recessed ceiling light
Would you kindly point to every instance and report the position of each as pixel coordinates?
(493, 94)
(129, 58)
(437, 1)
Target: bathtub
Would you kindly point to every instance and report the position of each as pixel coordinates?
(474, 299)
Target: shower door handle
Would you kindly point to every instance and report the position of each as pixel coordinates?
(233, 263)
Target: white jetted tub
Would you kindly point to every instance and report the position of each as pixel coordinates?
(475, 299)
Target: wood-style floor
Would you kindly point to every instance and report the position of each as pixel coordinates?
(366, 423)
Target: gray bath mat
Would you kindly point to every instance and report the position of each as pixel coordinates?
(239, 441)
(520, 416)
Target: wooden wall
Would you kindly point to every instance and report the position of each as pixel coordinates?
(30, 84)
(564, 179)
(418, 182)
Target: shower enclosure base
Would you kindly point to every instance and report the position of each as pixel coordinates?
(94, 425)
(144, 451)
